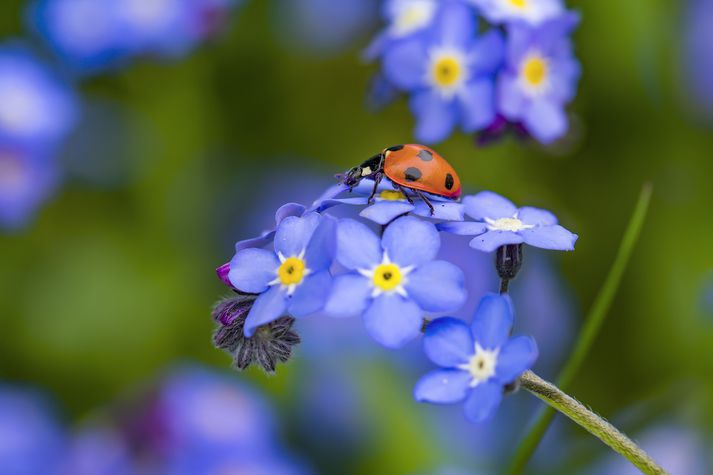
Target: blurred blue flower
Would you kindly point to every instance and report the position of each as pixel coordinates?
(404, 18)
(395, 280)
(698, 54)
(235, 464)
(477, 361)
(532, 12)
(295, 277)
(449, 72)
(389, 203)
(36, 109)
(540, 77)
(499, 222)
(97, 451)
(83, 33)
(31, 440)
(27, 179)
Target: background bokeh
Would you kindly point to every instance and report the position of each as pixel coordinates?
(173, 160)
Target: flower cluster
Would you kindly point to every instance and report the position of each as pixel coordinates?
(520, 71)
(37, 111)
(92, 35)
(385, 268)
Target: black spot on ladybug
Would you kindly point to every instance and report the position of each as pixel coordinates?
(395, 148)
(412, 174)
(425, 155)
(449, 181)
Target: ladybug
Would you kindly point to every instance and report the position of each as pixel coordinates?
(410, 167)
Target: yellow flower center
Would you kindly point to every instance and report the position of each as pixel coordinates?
(387, 277)
(534, 70)
(447, 71)
(518, 3)
(392, 195)
(291, 271)
(413, 17)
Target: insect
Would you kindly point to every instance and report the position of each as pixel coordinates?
(410, 167)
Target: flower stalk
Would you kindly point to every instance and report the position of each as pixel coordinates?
(590, 421)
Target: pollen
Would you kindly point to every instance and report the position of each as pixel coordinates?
(447, 71)
(387, 277)
(392, 195)
(291, 271)
(508, 224)
(518, 3)
(534, 71)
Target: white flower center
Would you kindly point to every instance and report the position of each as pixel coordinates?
(534, 73)
(447, 71)
(387, 277)
(507, 224)
(291, 272)
(412, 15)
(481, 365)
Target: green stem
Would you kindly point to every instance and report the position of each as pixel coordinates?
(593, 322)
(596, 425)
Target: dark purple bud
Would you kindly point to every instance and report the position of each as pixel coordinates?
(223, 272)
(508, 260)
(226, 311)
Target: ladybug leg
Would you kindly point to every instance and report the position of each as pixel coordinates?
(426, 200)
(403, 191)
(377, 179)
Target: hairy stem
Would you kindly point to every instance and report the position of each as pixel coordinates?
(593, 322)
(594, 424)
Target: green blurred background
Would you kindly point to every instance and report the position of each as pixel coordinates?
(114, 281)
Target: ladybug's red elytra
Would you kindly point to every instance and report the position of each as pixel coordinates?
(410, 167)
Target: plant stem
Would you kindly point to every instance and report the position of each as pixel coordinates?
(594, 424)
(592, 324)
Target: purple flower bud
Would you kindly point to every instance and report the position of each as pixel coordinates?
(222, 272)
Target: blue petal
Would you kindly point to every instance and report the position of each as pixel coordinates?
(435, 117)
(261, 241)
(410, 241)
(515, 357)
(349, 297)
(487, 204)
(405, 62)
(310, 295)
(437, 286)
(322, 246)
(468, 228)
(511, 101)
(536, 216)
(550, 237)
(251, 270)
(294, 233)
(450, 211)
(492, 240)
(287, 210)
(546, 121)
(384, 212)
(492, 321)
(477, 103)
(488, 53)
(329, 194)
(268, 307)
(483, 401)
(357, 246)
(442, 386)
(455, 25)
(448, 342)
(392, 320)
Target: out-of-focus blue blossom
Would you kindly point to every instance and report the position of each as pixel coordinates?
(27, 179)
(393, 280)
(449, 73)
(540, 77)
(389, 203)
(404, 18)
(97, 451)
(499, 222)
(31, 440)
(83, 33)
(532, 12)
(233, 464)
(324, 26)
(37, 110)
(477, 361)
(706, 295)
(295, 277)
(698, 54)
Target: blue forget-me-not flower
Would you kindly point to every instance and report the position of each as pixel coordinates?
(477, 361)
(404, 18)
(394, 280)
(449, 73)
(499, 222)
(540, 77)
(294, 278)
(532, 12)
